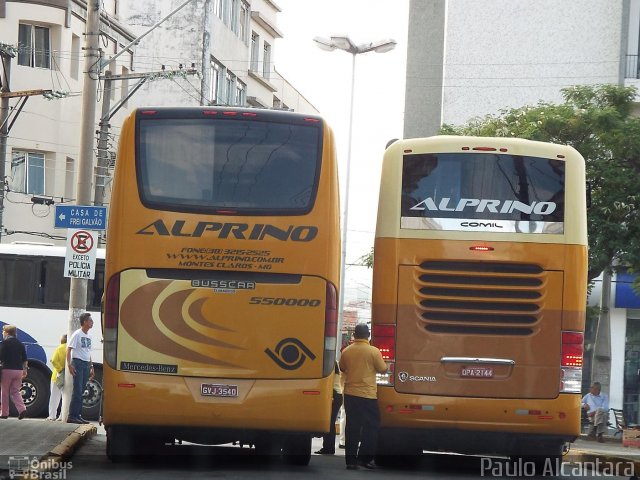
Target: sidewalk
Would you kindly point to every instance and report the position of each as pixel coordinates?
(605, 455)
(38, 444)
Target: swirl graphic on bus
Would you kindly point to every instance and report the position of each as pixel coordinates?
(290, 354)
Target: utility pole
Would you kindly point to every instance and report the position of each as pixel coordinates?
(103, 141)
(205, 80)
(5, 57)
(78, 289)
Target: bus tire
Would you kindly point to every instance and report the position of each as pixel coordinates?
(35, 391)
(396, 451)
(296, 450)
(92, 397)
(268, 447)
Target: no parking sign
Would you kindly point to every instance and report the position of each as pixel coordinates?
(80, 258)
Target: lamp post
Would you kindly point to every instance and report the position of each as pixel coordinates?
(343, 42)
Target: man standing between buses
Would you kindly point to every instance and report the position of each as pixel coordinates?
(359, 364)
(80, 366)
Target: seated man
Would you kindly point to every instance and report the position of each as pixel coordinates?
(596, 405)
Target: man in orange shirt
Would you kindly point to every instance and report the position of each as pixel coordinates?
(359, 364)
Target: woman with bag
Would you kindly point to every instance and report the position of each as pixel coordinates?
(58, 361)
(13, 357)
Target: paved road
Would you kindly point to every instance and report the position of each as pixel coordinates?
(195, 462)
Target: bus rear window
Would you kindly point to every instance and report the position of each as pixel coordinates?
(503, 193)
(244, 166)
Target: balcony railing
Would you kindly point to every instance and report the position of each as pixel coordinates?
(631, 70)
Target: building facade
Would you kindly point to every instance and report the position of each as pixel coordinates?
(211, 52)
(229, 44)
(470, 58)
(45, 40)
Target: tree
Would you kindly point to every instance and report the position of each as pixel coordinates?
(598, 121)
(366, 260)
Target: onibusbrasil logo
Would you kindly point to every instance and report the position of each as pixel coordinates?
(32, 467)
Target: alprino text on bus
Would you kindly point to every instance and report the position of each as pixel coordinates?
(302, 233)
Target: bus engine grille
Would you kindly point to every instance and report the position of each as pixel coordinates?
(482, 298)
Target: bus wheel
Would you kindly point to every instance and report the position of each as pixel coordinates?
(297, 449)
(92, 396)
(35, 392)
(268, 447)
(396, 451)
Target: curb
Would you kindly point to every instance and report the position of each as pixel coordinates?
(54, 460)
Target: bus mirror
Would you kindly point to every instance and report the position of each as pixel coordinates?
(588, 190)
(390, 142)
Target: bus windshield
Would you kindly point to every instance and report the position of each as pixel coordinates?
(483, 186)
(246, 166)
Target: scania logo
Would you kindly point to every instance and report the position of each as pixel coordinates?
(404, 377)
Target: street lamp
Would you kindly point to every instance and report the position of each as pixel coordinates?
(343, 42)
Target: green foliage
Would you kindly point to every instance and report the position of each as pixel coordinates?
(598, 121)
(366, 260)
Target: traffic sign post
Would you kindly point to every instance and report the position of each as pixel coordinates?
(81, 216)
(80, 258)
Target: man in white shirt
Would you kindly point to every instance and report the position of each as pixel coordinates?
(596, 405)
(80, 366)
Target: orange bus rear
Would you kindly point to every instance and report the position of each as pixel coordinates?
(222, 277)
(479, 295)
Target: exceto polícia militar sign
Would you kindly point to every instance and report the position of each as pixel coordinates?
(80, 258)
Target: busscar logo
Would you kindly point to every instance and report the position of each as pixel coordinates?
(483, 205)
(224, 284)
(237, 231)
(290, 353)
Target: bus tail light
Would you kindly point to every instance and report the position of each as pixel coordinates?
(111, 317)
(384, 337)
(330, 329)
(571, 362)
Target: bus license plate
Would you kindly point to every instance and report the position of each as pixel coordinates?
(477, 372)
(218, 390)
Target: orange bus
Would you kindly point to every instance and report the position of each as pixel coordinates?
(222, 275)
(479, 295)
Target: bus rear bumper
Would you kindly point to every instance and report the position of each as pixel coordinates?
(479, 425)
(174, 404)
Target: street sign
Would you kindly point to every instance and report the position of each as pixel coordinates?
(81, 216)
(80, 258)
